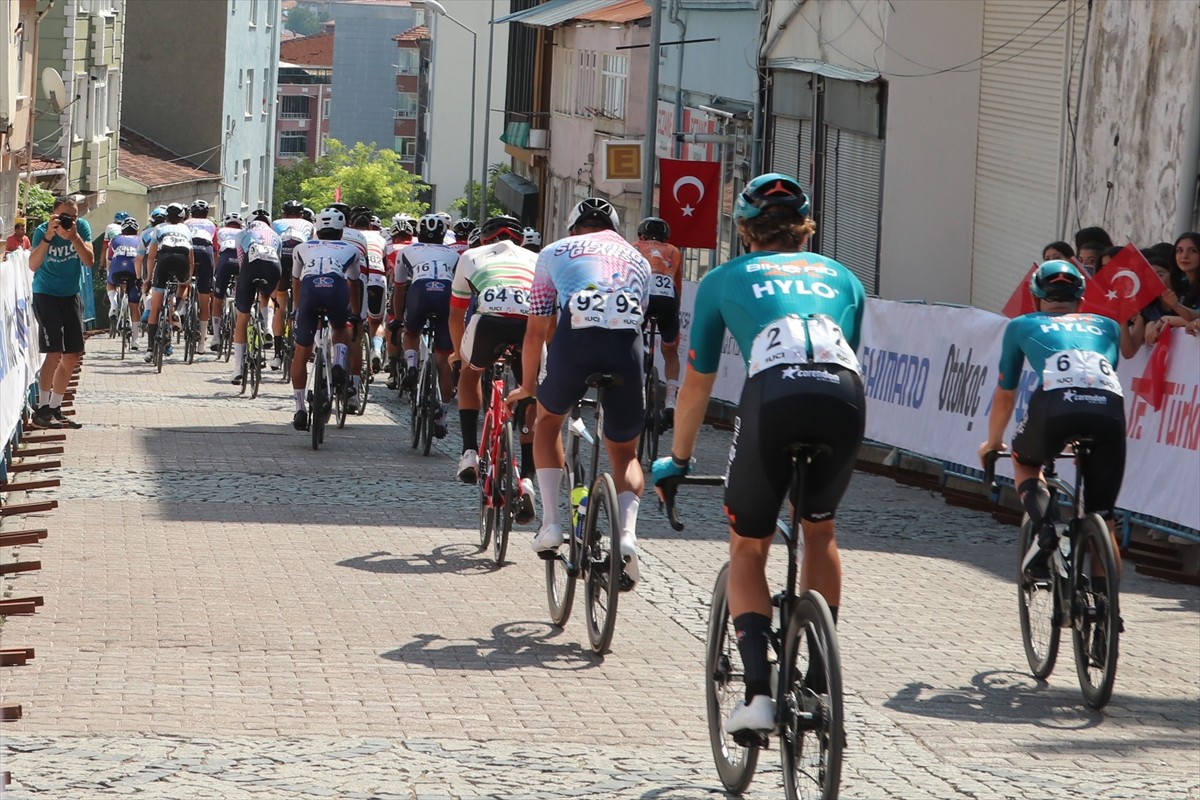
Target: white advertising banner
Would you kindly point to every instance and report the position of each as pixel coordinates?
(19, 357)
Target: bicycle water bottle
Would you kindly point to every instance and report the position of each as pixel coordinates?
(579, 499)
(1063, 552)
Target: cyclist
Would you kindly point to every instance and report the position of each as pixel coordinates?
(204, 241)
(462, 230)
(308, 214)
(122, 269)
(170, 251)
(373, 271)
(423, 275)
(228, 264)
(448, 236)
(293, 229)
(111, 231)
(259, 247)
(598, 286)
(401, 237)
(1076, 355)
(495, 278)
(666, 261)
(319, 282)
(157, 217)
(531, 240)
(797, 318)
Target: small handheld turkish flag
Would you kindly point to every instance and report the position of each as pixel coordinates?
(1153, 383)
(687, 200)
(1123, 286)
(1021, 301)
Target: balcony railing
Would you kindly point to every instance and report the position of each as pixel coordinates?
(294, 115)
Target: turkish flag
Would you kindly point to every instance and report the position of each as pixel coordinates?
(1021, 301)
(1123, 287)
(687, 200)
(1153, 383)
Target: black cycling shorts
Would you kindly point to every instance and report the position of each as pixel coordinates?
(320, 293)
(285, 274)
(375, 300)
(487, 336)
(1055, 417)
(425, 299)
(227, 269)
(268, 271)
(171, 265)
(665, 310)
(133, 287)
(60, 323)
(784, 405)
(575, 353)
(204, 268)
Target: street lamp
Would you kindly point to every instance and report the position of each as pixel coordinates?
(440, 10)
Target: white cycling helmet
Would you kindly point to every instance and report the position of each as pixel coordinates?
(445, 217)
(594, 211)
(232, 218)
(331, 219)
(431, 228)
(531, 237)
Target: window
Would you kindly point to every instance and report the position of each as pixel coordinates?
(293, 107)
(406, 105)
(97, 107)
(408, 60)
(612, 86)
(263, 172)
(114, 99)
(271, 13)
(293, 144)
(249, 87)
(406, 146)
(585, 89)
(266, 91)
(325, 104)
(79, 111)
(245, 183)
(576, 91)
(253, 13)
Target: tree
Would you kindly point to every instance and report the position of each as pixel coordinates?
(493, 208)
(36, 204)
(366, 176)
(302, 21)
(290, 178)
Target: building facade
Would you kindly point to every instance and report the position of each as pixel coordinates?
(412, 97)
(305, 97)
(18, 85)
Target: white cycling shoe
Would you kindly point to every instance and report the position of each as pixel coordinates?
(633, 569)
(468, 467)
(759, 715)
(525, 506)
(548, 540)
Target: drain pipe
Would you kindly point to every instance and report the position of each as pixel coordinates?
(756, 135)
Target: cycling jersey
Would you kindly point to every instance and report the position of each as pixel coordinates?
(111, 231)
(425, 262)
(144, 238)
(259, 242)
(1068, 350)
(324, 257)
(578, 267)
(781, 308)
(172, 236)
(666, 264)
(371, 247)
(500, 274)
(227, 238)
(458, 247)
(204, 232)
(392, 250)
(321, 266)
(174, 240)
(292, 231)
(122, 254)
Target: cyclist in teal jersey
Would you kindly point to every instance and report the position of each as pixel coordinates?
(1079, 394)
(796, 317)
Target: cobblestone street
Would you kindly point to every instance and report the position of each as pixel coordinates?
(231, 615)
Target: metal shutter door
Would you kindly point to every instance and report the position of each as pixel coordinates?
(792, 148)
(1017, 168)
(849, 227)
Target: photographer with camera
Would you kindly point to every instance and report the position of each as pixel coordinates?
(61, 247)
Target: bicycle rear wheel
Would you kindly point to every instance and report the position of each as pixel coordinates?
(416, 418)
(722, 691)
(561, 571)
(227, 335)
(316, 401)
(1095, 606)
(1039, 610)
(160, 346)
(602, 555)
(813, 734)
(504, 491)
(429, 403)
(364, 375)
(254, 356)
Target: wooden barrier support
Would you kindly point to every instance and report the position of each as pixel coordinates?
(10, 712)
(15, 656)
(15, 538)
(20, 605)
(38, 452)
(34, 466)
(19, 566)
(28, 508)
(28, 486)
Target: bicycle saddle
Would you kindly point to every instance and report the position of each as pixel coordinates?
(602, 380)
(808, 451)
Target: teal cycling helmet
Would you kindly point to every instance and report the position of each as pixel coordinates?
(770, 190)
(1057, 281)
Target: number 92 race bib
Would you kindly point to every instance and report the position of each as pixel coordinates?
(614, 311)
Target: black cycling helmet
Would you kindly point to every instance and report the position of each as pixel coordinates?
(769, 191)
(594, 212)
(199, 209)
(473, 239)
(654, 228)
(260, 213)
(342, 207)
(293, 208)
(463, 227)
(1057, 281)
(401, 227)
(129, 225)
(176, 212)
(501, 227)
(308, 214)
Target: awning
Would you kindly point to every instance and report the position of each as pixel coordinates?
(823, 68)
(518, 196)
(556, 12)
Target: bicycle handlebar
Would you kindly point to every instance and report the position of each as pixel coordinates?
(989, 469)
(670, 487)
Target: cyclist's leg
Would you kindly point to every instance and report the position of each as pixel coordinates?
(244, 299)
(470, 391)
(1032, 445)
(376, 298)
(204, 284)
(358, 310)
(281, 303)
(1104, 469)
(413, 322)
(668, 331)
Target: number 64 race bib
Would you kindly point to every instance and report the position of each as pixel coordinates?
(1079, 369)
(504, 300)
(614, 311)
(791, 340)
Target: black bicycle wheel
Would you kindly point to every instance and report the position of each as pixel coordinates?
(813, 735)
(316, 401)
(723, 689)
(254, 357)
(602, 557)
(429, 403)
(487, 510)
(505, 491)
(227, 336)
(416, 418)
(364, 375)
(340, 405)
(160, 346)
(124, 326)
(1038, 606)
(191, 335)
(561, 571)
(289, 352)
(1095, 608)
(653, 414)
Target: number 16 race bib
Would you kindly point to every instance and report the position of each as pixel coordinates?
(791, 340)
(1079, 369)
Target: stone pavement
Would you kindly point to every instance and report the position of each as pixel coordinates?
(231, 615)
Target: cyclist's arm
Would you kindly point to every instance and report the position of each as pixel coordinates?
(1003, 403)
(531, 352)
(690, 407)
(458, 316)
(150, 260)
(1004, 400)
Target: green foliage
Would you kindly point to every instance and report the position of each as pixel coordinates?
(289, 180)
(459, 207)
(366, 175)
(302, 21)
(35, 203)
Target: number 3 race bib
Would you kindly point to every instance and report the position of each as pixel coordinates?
(504, 300)
(1079, 369)
(614, 311)
(791, 340)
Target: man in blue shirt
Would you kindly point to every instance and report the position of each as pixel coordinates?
(62, 246)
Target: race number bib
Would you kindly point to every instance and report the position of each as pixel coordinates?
(662, 286)
(614, 311)
(228, 243)
(173, 239)
(262, 252)
(1079, 369)
(504, 300)
(125, 251)
(793, 340)
(431, 270)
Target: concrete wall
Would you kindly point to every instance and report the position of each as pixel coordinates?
(252, 44)
(364, 75)
(723, 68)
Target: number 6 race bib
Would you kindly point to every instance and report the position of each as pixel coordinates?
(791, 339)
(614, 311)
(1079, 369)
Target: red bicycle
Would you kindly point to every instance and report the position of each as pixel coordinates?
(499, 481)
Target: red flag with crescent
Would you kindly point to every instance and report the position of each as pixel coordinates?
(1152, 385)
(1021, 301)
(1123, 286)
(688, 197)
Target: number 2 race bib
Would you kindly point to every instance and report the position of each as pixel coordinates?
(504, 300)
(662, 286)
(793, 340)
(1079, 369)
(614, 311)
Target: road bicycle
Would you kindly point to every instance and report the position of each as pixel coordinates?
(124, 326)
(289, 348)
(652, 429)
(594, 538)
(425, 396)
(325, 397)
(257, 341)
(499, 479)
(189, 321)
(228, 323)
(366, 371)
(165, 315)
(806, 665)
(1081, 588)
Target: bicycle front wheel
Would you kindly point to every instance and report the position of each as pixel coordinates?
(365, 374)
(1039, 611)
(504, 490)
(429, 404)
(813, 735)
(653, 415)
(561, 571)
(316, 402)
(603, 563)
(723, 689)
(1095, 610)
(160, 346)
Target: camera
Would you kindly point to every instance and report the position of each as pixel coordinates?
(66, 221)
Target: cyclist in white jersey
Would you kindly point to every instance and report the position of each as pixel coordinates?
(227, 269)
(170, 251)
(372, 248)
(293, 229)
(204, 242)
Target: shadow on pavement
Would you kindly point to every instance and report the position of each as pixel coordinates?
(449, 558)
(512, 645)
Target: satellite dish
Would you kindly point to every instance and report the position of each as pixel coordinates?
(53, 88)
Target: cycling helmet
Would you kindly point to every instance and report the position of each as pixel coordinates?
(401, 228)
(767, 191)
(376, 224)
(308, 214)
(445, 217)
(129, 225)
(232, 218)
(158, 215)
(293, 208)
(260, 213)
(121, 216)
(342, 207)
(654, 228)
(501, 227)
(464, 226)
(473, 239)
(431, 228)
(530, 237)
(199, 209)
(176, 211)
(1057, 281)
(331, 219)
(594, 212)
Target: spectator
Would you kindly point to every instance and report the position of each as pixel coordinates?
(1092, 235)
(1184, 311)
(62, 246)
(1057, 251)
(18, 240)
(1089, 254)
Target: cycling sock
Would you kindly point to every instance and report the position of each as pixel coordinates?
(152, 332)
(527, 470)
(1035, 498)
(112, 301)
(672, 392)
(627, 510)
(1099, 582)
(443, 409)
(299, 395)
(468, 418)
(279, 345)
(339, 354)
(753, 631)
(268, 316)
(548, 480)
(239, 355)
(43, 397)
(376, 344)
(55, 400)
(410, 358)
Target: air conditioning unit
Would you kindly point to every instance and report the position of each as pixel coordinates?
(539, 139)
